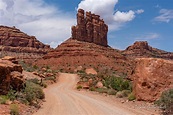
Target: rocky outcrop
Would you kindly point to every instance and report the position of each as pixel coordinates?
(90, 28)
(151, 77)
(140, 45)
(12, 39)
(142, 49)
(10, 76)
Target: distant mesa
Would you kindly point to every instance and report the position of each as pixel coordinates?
(90, 28)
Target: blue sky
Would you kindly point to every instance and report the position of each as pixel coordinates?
(129, 20)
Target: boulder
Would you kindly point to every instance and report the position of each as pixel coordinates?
(10, 75)
(91, 71)
(99, 85)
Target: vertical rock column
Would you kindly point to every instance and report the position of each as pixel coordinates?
(90, 28)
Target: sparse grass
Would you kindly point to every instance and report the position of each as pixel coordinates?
(101, 90)
(92, 89)
(14, 109)
(131, 97)
(166, 102)
(3, 99)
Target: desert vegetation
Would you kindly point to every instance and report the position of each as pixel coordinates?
(113, 83)
(166, 102)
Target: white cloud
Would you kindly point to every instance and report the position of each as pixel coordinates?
(105, 8)
(165, 16)
(148, 36)
(37, 18)
(140, 11)
(124, 16)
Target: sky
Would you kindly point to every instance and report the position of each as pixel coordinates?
(128, 20)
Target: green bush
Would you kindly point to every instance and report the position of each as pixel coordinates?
(33, 92)
(14, 109)
(12, 94)
(3, 99)
(92, 89)
(117, 83)
(166, 101)
(131, 97)
(79, 87)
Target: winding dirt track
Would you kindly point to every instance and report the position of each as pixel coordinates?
(63, 99)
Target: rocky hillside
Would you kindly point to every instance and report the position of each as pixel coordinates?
(142, 49)
(13, 40)
(73, 53)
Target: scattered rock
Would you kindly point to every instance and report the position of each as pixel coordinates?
(99, 85)
(91, 71)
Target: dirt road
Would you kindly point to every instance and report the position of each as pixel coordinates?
(63, 99)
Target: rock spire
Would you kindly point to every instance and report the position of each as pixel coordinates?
(90, 28)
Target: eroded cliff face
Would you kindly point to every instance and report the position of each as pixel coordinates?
(90, 28)
(13, 40)
(10, 75)
(151, 77)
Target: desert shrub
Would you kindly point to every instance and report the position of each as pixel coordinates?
(126, 93)
(111, 92)
(101, 90)
(14, 109)
(131, 97)
(33, 92)
(3, 99)
(81, 71)
(35, 80)
(79, 87)
(92, 89)
(166, 101)
(50, 78)
(119, 94)
(12, 94)
(43, 84)
(117, 83)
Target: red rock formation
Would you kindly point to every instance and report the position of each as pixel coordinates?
(10, 75)
(12, 39)
(90, 28)
(74, 53)
(151, 77)
(142, 49)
